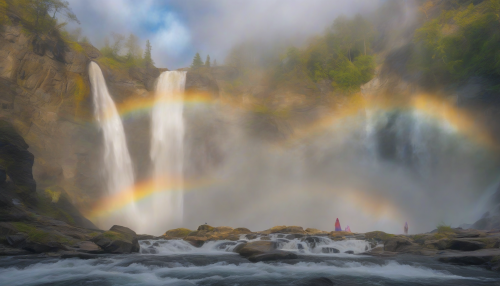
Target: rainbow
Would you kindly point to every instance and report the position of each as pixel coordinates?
(140, 192)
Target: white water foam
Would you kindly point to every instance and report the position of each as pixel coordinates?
(100, 271)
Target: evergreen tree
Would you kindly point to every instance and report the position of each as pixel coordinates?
(147, 54)
(207, 62)
(197, 62)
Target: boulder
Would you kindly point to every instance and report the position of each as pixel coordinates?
(397, 243)
(255, 248)
(118, 239)
(285, 229)
(177, 233)
(330, 250)
(466, 245)
(273, 256)
(315, 231)
(88, 247)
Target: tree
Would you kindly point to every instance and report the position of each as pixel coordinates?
(147, 53)
(197, 62)
(117, 43)
(207, 62)
(132, 46)
(42, 8)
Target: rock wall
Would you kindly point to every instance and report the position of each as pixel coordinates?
(45, 95)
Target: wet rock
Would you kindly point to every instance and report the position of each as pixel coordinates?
(88, 247)
(241, 230)
(312, 241)
(466, 245)
(17, 239)
(397, 243)
(349, 252)
(177, 233)
(251, 236)
(320, 281)
(273, 256)
(255, 248)
(7, 229)
(205, 227)
(118, 239)
(285, 229)
(294, 236)
(315, 231)
(330, 250)
(224, 245)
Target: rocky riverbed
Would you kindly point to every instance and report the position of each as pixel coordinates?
(54, 253)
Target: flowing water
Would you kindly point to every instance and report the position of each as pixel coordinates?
(167, 138)
(177, 262)
(117, 164)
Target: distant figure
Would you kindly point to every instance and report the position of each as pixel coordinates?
(348, 229)
(337, 225)
(406, 228)
(205, 223)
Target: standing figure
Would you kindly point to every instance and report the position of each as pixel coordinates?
(348, 229)
(406, 228)
(337, 225)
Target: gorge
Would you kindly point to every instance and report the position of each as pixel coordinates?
(116, 172)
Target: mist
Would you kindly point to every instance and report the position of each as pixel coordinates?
(179, 29)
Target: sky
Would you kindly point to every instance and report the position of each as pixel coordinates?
(178, 29)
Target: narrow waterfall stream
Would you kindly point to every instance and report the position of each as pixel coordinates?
(167, 139)
(117, 164)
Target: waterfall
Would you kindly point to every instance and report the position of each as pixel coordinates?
(118, 168)
(167, 138)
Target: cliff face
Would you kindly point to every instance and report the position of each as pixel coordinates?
(45, 95)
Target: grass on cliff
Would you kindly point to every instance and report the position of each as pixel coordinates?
(37, 235)
(113, 235)
(378, 235)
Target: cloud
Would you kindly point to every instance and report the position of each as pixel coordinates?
(178, 29)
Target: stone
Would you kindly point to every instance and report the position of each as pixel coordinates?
(177, 233)
(273, 256)
(118, 239)
(466, 245)
(255, 248)
(349, 252)
(397, 243)
(88, 247)
(330, 250)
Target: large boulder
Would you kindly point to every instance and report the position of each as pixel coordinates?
(255, 248)
(118, 239)
(177, 233)
(397, 243)
(466, 245)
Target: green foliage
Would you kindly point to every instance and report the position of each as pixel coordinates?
(378, 235)
(133, 57)
(443, 228)
(342, 55)
(197, 62)
(38, 235)
(39, 15)
(461, 43)
(147, 54)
